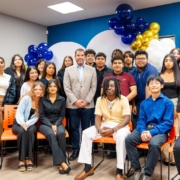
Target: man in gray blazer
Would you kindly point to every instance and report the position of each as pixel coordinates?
(80, 83)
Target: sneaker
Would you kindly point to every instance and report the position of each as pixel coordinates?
(137, 175)
(146, 177)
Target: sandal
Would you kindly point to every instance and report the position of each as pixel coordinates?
(29, 167)
(22, 167)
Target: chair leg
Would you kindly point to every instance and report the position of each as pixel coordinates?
(161, 166)
(169, 168)
(174, 176)
(1, 154)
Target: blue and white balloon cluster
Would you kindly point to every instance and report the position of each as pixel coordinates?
(35, 53)
(123, 26)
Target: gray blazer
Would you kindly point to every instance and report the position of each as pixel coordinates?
(75, 89)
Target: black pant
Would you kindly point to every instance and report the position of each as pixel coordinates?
(154, 150)
(76, 117)
(25, 140)
(177, 154)
(58, 146)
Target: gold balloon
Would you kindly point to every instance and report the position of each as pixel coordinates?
(154, 27)
(137, 43)
(148, 34)
(145, 41)
(143, 48)
(156, 36)
(133, 46)
(139, 36)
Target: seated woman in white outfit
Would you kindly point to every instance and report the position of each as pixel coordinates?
(30, 77)
(114, 108)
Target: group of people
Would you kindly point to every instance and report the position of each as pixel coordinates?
(91, 94)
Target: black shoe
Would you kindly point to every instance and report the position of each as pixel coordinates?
(74, 155)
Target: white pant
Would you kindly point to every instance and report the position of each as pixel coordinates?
(91, 134)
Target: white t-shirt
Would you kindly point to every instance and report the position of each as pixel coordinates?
(4, 83)
(25, 88)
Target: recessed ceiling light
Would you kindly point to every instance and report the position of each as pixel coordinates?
(65, 7)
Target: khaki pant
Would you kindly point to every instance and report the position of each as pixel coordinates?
(176, 125)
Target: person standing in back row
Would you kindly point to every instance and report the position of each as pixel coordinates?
(80, 83)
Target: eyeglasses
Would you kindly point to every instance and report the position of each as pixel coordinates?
(139, 59)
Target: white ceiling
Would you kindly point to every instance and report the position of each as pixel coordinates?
(36, 10)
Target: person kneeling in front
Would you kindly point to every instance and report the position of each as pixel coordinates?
(114, 108)
(154, 123)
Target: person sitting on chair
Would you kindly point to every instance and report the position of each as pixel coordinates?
(51, 114)
(25, 125)
(154, 122)
(115, 110)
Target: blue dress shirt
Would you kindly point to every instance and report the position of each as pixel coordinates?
(80, 70)
(159, 112)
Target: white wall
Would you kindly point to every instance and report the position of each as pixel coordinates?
(16, 35)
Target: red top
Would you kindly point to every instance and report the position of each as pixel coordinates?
(126, 80)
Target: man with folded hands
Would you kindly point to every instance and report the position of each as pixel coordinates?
(154, 122)
(114, 108)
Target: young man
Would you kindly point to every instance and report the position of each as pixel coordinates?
(128, 61)
(141, 73)
(114, 108)
(80, 86)
(90, 57)
(127, 86)
(154, 122)
(126, 80)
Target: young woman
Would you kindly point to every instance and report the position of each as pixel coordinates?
(7, 90)
(17, 70)
(171, 76)
(51, 113)
(24, 125)
(30, 77)
(40, 67)
(129, 60)
(49, 74)
(175, 52)
(68, 61)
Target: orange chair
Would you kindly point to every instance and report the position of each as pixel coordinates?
(40, 136)
(106, 140)
(7, 135)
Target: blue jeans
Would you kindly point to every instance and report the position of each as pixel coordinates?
(77, 116)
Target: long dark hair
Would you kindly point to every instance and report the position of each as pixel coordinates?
(175, 68)
(63, 65)
(41, 60)
(27, 78)
(117, 87)
(45, 67)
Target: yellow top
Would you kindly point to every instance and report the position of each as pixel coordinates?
(115, 113)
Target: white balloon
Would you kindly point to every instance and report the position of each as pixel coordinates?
(154, 43)
(167, 42)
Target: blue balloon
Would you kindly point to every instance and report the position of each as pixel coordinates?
(119, 29)
(137, 32)
(48, 54)
(33, 52)
(124, 12)
(27, 57)
(113, 22)
(130, 27)
(140, 27)
(43, 45)
(146, 25)
(32, 62)
(127, 38)
(40, 53)
(32, 47)
(139, 20)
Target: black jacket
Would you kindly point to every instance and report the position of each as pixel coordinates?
(52, 113)
(10, 93)
(18, 87)
(100, 76)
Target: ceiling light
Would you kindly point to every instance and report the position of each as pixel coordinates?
(65, 7)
